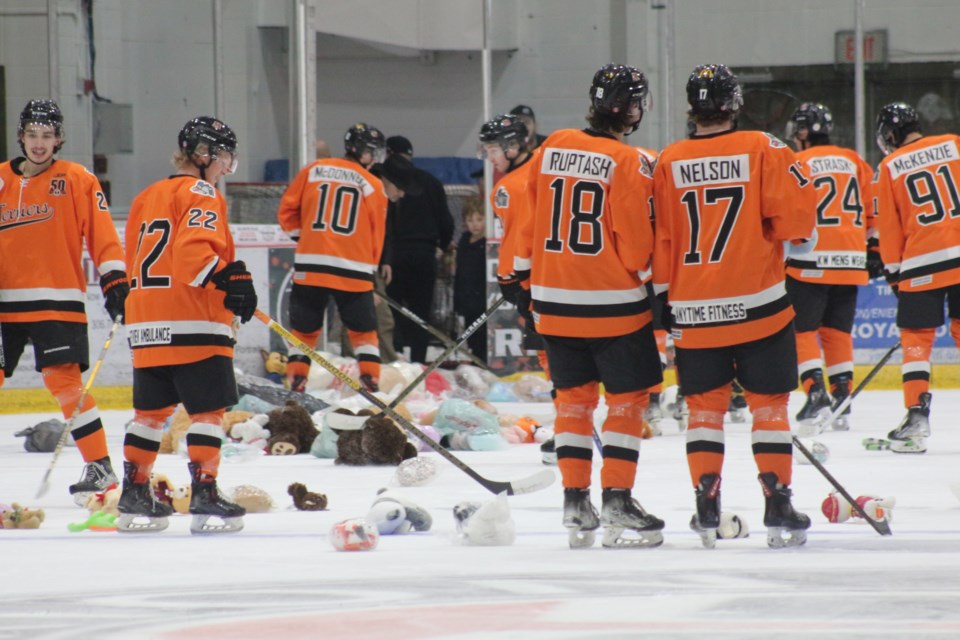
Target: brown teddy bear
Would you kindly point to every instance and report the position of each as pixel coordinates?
(306, 500)
(379, 441)
(20, 517)
(291, 430)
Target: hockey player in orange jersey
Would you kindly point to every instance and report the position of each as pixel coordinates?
(918, 215)
(822, 281)
(585, 243)
(187, 291)
(48, 209)
(335, 209)
(725, 201)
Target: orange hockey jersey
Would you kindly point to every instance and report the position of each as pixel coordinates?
(177, 237)
(845, 217)
(724, 205)
(918, 213)
(44, 221)
(588, 237)
(337, 212)
(509, 201)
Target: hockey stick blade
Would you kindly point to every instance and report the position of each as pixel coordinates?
(880, 526)
(524, 485)
(45, 482)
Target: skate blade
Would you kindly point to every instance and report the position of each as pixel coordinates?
(581, 538)
(841, 424)
(708, 535)
(81, 498)
(135, 523)
(911, 445)
(613, 538)
(809, 429)
(549, 459)
(781, 537)
(199, 525)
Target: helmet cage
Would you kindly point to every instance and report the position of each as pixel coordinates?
(894, 122)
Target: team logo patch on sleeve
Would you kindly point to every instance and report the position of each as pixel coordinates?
(501, 198)
(204, 189)
(646, 167)
(775, 142)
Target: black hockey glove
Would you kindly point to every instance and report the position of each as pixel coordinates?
(237, 283)
(874, 262)
(523, 302)
(666, 313)
(510, 290)
(115, 290)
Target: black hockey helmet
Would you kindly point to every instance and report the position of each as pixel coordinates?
(45, 112)
(615, 87)
(713, 90)
(894, 122)
(214, 133)
(506, 130)
(812, 116)
(361, 137)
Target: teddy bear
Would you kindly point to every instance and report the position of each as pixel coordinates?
(836, 508)
(105, 502)
(394, 513)
(275, 364)
(17, 516)
(177, 496)
(253, 499)
(379, 441)
(251, 431)
(291, 430)
(306, 500)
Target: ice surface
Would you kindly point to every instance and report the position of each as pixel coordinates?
(281, 578)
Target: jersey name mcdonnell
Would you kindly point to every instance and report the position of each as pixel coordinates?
(324, 173)
(944, 152)
(716, 170)
(577, 164)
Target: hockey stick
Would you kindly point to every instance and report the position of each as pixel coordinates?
(535, 482)
(881, 526)
(863, 383)
(45, 483)
(479, 322)
(440, 335)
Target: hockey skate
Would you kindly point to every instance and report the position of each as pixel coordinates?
(840, 390)
(207, 502)
(816, 409)
(548, 452)
(140, 512)
(681, 413)
(97, 477)
(706, 520)
(911, 434)
(785, 526)
(368, 383)
(580, 518)
(737, 409)
(621, 513)
(654, 414)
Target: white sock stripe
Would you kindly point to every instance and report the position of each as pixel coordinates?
(143, 431)
(915, 366)
(622, 440)
(810, 365)
(573, 440)
(367, 349)
(704, 434)
(206, 429)
(840, 367)
(86, 417)
(766, 436)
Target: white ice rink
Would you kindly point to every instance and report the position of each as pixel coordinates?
(280, 577)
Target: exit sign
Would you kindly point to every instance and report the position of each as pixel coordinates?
(874, 47)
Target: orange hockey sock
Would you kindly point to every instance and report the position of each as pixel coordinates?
(837, 352)
(142, 440)
(772, 442)
(808, 358)
(203, 440)
(298, 364)
(66, 385)
(621, 435)
(705, 438)
(573, 433)
(915, 370)
(366, 346)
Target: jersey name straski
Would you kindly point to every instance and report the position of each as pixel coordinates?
(716, 170)
(326, 173)
(945, 152)
(577, 164)
(831, 164)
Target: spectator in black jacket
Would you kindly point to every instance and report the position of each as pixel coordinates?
(417, 227)
(470, 281)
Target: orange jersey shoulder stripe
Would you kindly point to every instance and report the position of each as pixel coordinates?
(843, 182)
(45, 220)
(724, 205)
(588, 236)
(177, 237)
(918, 213)
(337, 212)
